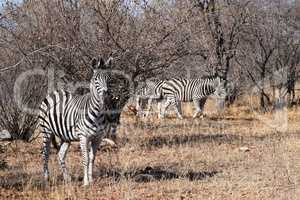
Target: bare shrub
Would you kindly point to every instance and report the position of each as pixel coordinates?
(160, 39)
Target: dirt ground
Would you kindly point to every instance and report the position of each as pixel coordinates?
(238, 154)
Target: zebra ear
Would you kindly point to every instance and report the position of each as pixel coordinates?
(97, 63)
(94, 63)
(108, 62)
(101, 64)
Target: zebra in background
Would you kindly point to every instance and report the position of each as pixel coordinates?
(76, 118)
(152, 90)
(178, 90)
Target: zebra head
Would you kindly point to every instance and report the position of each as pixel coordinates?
(148, 89)
(100, 77)
(220, 92)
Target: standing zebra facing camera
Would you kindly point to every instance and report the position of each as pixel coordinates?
(76, 118)
(112, 117)
(178, 90)
(151, 90)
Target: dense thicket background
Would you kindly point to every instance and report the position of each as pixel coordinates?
(248, 43)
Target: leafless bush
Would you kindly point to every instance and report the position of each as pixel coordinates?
(238, 40)
(15, 116)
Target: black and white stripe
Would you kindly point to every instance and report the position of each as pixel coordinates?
(76, 118)
(112, 117)
(178, 90)
(152, 90)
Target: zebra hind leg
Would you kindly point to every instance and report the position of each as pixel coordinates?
(61, 158)
(46, 151)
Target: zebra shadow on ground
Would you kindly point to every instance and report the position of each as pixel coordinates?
(197, 138)
(155, 173)
(178, 139)
(207, 122)
(20, 180)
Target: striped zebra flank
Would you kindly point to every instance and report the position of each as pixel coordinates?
(177, 90)
(76, 118)
(152, 90)
(112, 117)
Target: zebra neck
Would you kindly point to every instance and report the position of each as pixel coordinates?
(206, 87)
(211, 86)
(96, 105)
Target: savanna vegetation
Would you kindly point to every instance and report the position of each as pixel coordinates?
(250, 150)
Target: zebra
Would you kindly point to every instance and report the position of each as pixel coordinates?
(150, 91)
(112, 116)
(76, 118)
(178, 90)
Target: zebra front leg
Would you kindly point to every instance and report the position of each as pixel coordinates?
(161, 111)
(61, 158)
(178, 109)
(164, 107)
(138, 106)
(202, 104)
(85, 158)
(159, 104)
(148, 107)
(46, 149)
(197, 106)
(93, 151)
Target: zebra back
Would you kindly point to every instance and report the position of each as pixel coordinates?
(188, 89)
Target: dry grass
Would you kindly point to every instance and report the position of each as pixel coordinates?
(174, 159)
